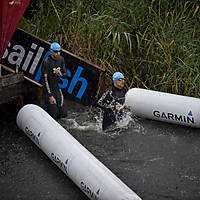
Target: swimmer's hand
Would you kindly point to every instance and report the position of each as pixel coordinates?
(57, 71)
(52, 100)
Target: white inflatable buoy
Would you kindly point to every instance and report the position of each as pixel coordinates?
(166, 107)
(88, 173)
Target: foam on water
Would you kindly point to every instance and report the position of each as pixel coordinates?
(91, 120)
(73, 124)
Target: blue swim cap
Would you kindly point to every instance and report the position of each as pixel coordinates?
(117, 75)
(55, 46)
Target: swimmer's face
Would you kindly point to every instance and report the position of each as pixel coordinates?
(119, 83)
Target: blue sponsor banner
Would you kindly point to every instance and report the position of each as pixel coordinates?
(28, 52)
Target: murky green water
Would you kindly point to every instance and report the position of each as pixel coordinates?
(158, 161)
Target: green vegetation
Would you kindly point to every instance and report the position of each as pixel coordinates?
(155, 43)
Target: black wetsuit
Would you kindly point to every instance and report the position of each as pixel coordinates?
(108, 101)
(51, 88)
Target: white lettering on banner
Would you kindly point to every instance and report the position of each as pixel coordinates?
(36, 60)
(29, 57)
(16, 57)
(21, 58)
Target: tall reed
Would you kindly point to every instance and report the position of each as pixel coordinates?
(156, 44)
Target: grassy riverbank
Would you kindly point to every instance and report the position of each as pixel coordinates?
(156, 44)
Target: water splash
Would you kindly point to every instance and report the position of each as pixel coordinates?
(88, 120)
(127, 122)
(86, 126)
(91, 120)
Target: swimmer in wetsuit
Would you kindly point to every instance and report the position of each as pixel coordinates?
(112, 101)
(54, 67)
